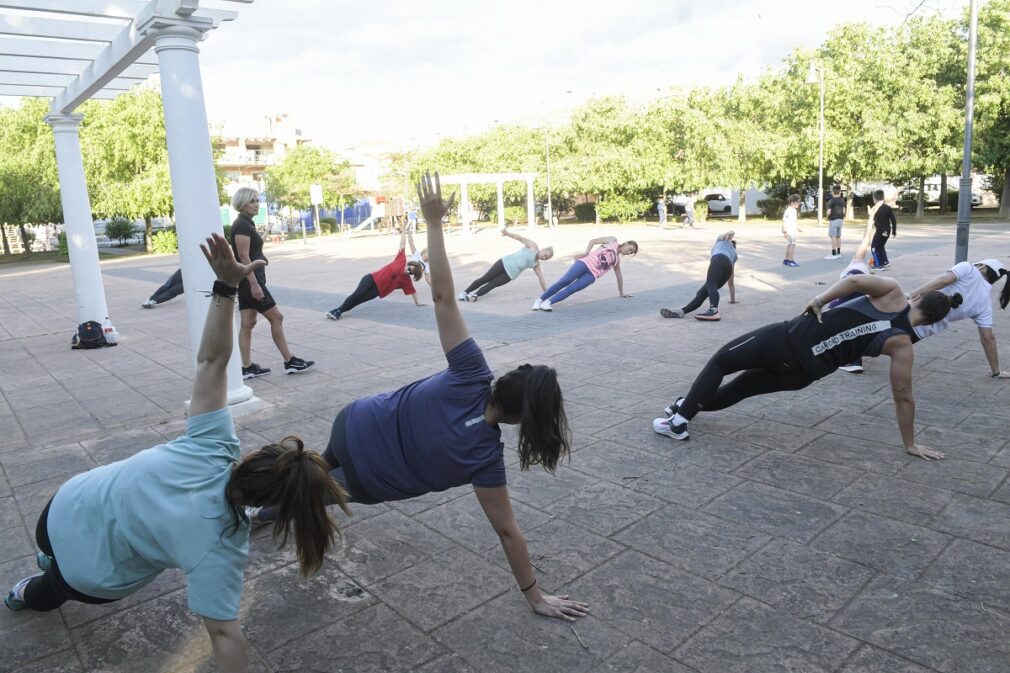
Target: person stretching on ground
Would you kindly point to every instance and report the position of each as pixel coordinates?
(792, 355)
(394, 276)
(112, 530)
(588, 266)
(170, 290)
(444, 430)
(509, 267)
(720, 272)
(974, 283)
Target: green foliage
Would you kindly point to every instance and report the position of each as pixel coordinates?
(120, 229)
(226, 234)
(327, 225)
(585, 212)
(288, 182)
(622, 207)
(165, 242)
(64, 249)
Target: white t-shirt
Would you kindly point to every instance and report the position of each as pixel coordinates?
(789, 224)
(416, 257)
(977, 304)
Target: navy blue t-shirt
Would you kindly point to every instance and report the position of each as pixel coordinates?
(429, 435)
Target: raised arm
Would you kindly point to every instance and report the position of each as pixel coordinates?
(410, 241)
(403, 238)
(937, 283)
(864, 245)
(603, 240)
(498, 508)
(210, 385)
(525, 241)
(452, 330)
(899, 349)
(886, 289)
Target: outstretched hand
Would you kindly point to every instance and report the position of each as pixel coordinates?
(429, 193)
(560, 607)
(222, 260)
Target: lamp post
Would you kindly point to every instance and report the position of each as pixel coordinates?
(964, 188)
(547, 154)
(816, 76)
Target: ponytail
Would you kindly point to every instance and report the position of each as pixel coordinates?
(936, 305)
(298, 483)
(533, 395)
(1004, 295)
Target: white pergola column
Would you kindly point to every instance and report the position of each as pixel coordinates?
(464, 208)
(194, 187)
(501, 205)
(531, 210)
(89, 292)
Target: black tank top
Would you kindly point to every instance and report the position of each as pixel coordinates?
(849, 331)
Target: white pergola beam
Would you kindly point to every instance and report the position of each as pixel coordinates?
(52, 66)
(20, 90)
(64, 29)
(107, 9)
(56, 50)
(48, 79)
(483, 178)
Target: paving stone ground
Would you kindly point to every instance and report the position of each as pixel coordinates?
(790, 534)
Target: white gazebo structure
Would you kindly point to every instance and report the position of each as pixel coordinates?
(499, 179)
(74, 50)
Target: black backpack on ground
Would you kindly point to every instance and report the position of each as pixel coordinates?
(89, 335)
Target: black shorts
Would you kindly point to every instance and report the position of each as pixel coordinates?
(245, 298)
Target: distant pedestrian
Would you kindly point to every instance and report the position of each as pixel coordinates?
(170, 290)
(661, 209)
(836, 216)
(887, 227)
(790, 228)
(720, 272)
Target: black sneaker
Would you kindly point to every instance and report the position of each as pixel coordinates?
(296, 365)
(254, 370)
(711, 314)
(674, 408)
(334, 314)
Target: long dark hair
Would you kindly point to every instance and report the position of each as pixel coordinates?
(993, 276)
(532, 394)
(299, 484)
(415, 269)
(936, 305)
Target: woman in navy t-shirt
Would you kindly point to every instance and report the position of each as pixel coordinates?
(443, 431)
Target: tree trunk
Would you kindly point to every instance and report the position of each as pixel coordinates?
(741, 213)
(943, 194)
(26, 245)
(596, 210)
(7, 245)
(148, 243)
(920, 202)
(1004, 198)
(850, 208)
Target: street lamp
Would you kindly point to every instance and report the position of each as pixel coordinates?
(816, 76)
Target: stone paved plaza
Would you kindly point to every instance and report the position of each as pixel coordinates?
(791, 533)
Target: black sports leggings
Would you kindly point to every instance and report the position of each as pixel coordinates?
(49, 591)
(494, 277)
(768, 364)
(170, 290)
(720, 268)
(366, 291)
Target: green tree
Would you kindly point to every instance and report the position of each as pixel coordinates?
(992, 95)
(288, 182)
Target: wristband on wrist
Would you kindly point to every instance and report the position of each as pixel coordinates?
(530, 586)
(224, 290)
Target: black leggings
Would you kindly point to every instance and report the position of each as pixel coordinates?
(878, 248)
(170, 290)
(49, 591)
(720, 269)
(768, 364)
(366, 291)
(494, 277)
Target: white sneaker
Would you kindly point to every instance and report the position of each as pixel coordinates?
(537, 303)
(545, 305)
(472, 297)
(665, 426)
(461, 296)
(831, 256)
(150, 303)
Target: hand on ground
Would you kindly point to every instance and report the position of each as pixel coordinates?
(560, 607)
(924, 452)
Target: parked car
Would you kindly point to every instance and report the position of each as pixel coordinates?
(718, 204)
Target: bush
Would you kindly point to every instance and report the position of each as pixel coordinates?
(585, 212)
(772, 208)
(120, 229)
(700, 209)
(165, 241)
(327, 225)
(64, 248)
(623, 207)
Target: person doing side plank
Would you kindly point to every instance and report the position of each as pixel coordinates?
(444, 430)
(792, 355)
(509, 267)
(588, 266)
(110, 531)
(721, 267)
(394, 276)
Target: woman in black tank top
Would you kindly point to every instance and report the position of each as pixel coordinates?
(792, 355)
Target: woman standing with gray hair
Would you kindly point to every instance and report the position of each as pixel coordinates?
(253, 295)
